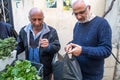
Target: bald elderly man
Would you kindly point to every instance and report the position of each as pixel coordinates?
(39, 41)
(91, 42)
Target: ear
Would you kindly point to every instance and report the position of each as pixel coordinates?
(89, 7)
(29, 18)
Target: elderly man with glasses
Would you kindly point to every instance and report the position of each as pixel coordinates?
(91, 42)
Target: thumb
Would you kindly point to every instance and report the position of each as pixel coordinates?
(74, 45)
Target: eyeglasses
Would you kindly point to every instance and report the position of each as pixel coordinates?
(80, 12)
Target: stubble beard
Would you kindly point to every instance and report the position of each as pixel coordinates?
(87, 18)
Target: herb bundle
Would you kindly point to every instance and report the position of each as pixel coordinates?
(21, 70)
(7, 46)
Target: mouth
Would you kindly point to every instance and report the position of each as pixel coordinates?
(81, 20)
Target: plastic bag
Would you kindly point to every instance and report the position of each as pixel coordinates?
(65, 68)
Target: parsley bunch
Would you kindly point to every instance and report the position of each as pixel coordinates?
(7, 46)
(21, 70)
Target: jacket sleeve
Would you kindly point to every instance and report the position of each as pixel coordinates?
(14, 33)
(20, 46)
(54, 44)
(11, 31)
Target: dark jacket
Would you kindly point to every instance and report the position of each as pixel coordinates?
(6, 30)
(46, 54)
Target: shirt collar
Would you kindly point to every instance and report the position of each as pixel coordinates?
(38, 34)
(92, 17)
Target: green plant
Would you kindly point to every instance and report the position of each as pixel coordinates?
(7, 46)
(21, 70)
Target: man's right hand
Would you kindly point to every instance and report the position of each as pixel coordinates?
(73, 49)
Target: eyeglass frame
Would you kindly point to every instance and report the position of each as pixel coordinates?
(80, 12)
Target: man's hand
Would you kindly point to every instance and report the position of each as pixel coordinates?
(44, 43)
(73, 49)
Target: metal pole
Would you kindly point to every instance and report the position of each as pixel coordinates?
(4, 16)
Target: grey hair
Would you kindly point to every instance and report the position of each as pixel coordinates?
(85, 1)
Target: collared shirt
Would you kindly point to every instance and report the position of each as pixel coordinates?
(38, 34)
(34, 52)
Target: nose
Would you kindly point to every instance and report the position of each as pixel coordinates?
(37, 22)
(78, 16)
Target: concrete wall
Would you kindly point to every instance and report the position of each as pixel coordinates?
(62, 20)
(114, 19)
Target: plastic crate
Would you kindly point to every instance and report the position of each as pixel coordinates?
(39, 68)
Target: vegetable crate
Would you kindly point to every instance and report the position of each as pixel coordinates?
(39, 68)
(22, 70)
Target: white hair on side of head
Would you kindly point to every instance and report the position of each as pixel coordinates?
(73, 2)
(87, 2)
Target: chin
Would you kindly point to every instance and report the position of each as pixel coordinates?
(82, 21)
(37, 26)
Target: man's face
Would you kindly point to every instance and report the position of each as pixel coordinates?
(81, 12)
(36, 19)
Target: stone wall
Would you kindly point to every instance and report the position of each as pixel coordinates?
(114, 19)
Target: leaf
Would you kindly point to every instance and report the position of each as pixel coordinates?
(21, 70)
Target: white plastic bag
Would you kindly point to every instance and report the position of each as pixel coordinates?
(7, 60)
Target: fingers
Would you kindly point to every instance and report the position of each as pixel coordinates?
(44, 43)
(73, 49)
(68, 48)
(74, 45)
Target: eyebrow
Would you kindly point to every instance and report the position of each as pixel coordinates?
(80, 12)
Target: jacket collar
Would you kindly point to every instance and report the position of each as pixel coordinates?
(45, 28)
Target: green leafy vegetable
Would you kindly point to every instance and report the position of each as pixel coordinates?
(21, 70)
(7, 46)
